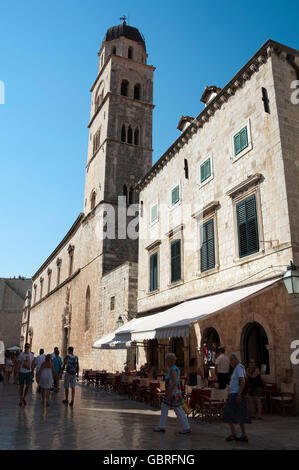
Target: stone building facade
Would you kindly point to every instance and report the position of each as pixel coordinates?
(69, 300)
(220, 211)
(12, 298)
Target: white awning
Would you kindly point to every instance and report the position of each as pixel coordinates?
(176, 321)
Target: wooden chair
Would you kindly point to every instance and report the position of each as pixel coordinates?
(213, 406)
(286, 398)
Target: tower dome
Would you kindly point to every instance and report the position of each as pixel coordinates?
(126, 31)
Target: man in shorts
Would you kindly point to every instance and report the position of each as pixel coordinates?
(71, 363)
(25, 370)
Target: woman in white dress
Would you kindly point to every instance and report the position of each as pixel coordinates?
(45, 378)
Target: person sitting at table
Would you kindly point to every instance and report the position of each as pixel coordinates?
(192, 373)
(173, 397)
(256, 387)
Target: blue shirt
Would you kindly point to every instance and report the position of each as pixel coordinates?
(57, 361)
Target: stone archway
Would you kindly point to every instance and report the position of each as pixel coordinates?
(255, 341)
(251, 318)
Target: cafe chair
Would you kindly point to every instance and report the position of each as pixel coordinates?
(286, 398)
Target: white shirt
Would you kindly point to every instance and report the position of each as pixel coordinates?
(38, 361)
(234, 385)
(222, 363)
(26, 362)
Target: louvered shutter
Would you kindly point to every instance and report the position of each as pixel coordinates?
(237, 143)
(176, 260)
(175, 195)
(207, 250)
(153, 271)
(247, 227)
(243, 138)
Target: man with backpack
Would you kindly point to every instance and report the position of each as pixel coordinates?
(71, 363)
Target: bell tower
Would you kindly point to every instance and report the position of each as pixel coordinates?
(120, 130)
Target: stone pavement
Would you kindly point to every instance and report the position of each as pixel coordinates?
(103, 420)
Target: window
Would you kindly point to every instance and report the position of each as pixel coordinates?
(87, 308)
(137, 92)
(114, 50)
(58, 263)
(265, 100)
(124, 88)
(71, 250)
(247, 227)
(175, 195)
(175, 252)
(41, 286)
(49, 279)
(35, 290)
(123, 133)
(154, 272)
(205, 170)
(112, 303)
(136, 136)
(207, 246)
(96, 140)
(154, 213)
(93, 200)
(240, 140)
(130, 135)
(130, 53)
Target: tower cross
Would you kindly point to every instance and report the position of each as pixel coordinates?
(123, 18)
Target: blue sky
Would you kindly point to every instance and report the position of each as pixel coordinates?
(48, 53)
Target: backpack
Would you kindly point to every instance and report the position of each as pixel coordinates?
(72, 365)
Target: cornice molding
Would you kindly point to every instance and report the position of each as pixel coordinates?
(252, 180)
(206, 210)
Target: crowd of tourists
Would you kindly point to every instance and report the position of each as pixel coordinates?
(47, 369)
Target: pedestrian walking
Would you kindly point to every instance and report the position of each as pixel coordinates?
(38, 362)
(53, 353)
(25, 370)
(256, 388)
(8, 367)
(71, 363)
(57, 362)
(45, 378)
(222, 369)
(236, 409)
(173, 397)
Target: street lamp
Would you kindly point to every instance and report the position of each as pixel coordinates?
(119, 321)
(291, 279)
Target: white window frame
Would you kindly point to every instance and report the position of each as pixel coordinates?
(212, 171)
(249, 147)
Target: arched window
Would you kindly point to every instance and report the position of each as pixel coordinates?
(131, 195)
(130, 135)
(130, 53)
(114, 50)
(123, 133)
(87, 308)
(96, 140)
(137, 92)
(124, 88)
(125, 192)
(93, 200)
(255, 341)
(136, 136)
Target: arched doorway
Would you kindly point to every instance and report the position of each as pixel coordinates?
(211, 344)
(177, 347)
(255, 341)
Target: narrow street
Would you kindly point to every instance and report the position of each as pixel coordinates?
(102, 420)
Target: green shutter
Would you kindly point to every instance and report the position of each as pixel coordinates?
(241, 140)
(205, 170)
(154, 213)
(207, 249)
(153, 272)
(247, 227)
(175, 195)
(176, 260)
